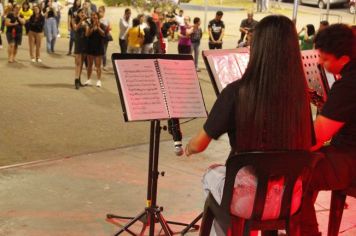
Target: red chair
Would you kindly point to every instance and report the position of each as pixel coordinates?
(337, 206)
(287, 164)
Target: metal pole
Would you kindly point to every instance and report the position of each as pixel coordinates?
(205, 14)
(295, 11)
(327, 10)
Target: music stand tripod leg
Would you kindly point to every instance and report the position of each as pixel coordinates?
(152, 212)
(192, 224)
(127, 226)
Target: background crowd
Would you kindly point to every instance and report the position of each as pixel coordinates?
(89, 29)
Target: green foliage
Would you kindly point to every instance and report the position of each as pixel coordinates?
(145, 5)
(117, 2)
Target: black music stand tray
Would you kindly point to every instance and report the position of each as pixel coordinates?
(152, 214)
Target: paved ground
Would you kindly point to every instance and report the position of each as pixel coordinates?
(43, 117)
(71, 196)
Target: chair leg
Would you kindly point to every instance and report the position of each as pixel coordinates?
(336, 210)
(293, 228)
(237, 226)
(270, 233)
(206, 222)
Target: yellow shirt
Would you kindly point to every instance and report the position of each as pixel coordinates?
(135, 37)
(26, 14)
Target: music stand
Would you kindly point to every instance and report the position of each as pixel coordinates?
(152, 213)
(224, 66)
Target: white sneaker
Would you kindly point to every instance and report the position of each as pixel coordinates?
(98, 84)
(33, 60)
(39, 60)
(88, 82)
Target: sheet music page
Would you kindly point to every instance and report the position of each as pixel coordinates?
(242, 61)
(226, 68)
(141, 89)
(182, 87)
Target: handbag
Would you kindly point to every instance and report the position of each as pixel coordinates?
(109, 37)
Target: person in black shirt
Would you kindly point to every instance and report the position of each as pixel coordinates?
(35, 34)
(80, 27)
(150, 36)
(14, 22)
(216, 30)
(337, 121)
(259, 112)
(96, 35)
(72, 13)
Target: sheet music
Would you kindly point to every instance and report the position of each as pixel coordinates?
(182, 88)
(242, 60)
(141, 89)
(226, 68)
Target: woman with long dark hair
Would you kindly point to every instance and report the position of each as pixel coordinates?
(268, 109)
(13, 22)
(80, 27)
(35, 34)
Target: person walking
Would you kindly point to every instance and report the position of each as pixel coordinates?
(124, 26)
(195, 37)
(95, 51)
(51, 30)
(35, 34)
(216, 30)
(14, 22)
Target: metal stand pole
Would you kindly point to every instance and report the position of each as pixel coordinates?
(152, 213)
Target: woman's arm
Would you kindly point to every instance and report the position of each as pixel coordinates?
(198, 143)
(101, 30)
(8, 22)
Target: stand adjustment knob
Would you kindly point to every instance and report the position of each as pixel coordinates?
(165, 128)
(163, 173)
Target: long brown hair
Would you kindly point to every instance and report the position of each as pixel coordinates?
(273, 104)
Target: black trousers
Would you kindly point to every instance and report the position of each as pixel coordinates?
(184, 49)
(215, 45)
(123, 46)
(334, 172)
